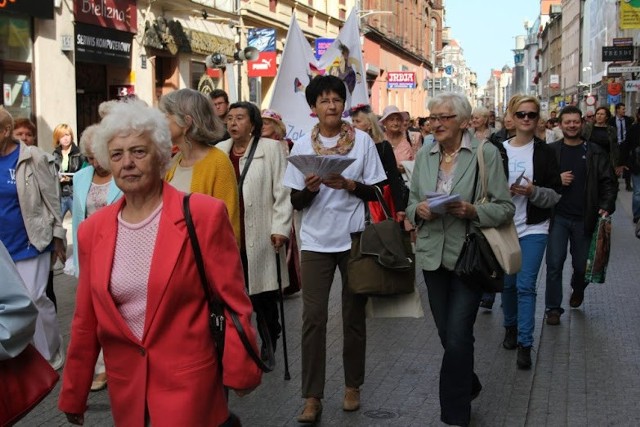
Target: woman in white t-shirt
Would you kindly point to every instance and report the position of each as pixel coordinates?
(332, 210)
(534, 178)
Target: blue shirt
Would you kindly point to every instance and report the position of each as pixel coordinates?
(13, 232)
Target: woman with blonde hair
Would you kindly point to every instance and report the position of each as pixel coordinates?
(199, 167)
(68, 160)
(534, 180)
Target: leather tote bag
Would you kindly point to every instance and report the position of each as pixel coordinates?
(503, 239)
(26, 379)
(381, 262)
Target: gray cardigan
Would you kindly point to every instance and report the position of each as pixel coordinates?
(439, 241)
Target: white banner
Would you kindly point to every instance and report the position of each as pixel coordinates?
(298, 66)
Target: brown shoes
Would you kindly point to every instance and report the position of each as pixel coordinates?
(351, 399)
(311, 412)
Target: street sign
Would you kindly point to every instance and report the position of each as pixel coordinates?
(449, 69)
(625, 69)
(590, 100)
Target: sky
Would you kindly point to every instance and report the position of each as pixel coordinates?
(486, 30)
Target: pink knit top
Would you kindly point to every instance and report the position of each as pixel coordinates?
(130, 270)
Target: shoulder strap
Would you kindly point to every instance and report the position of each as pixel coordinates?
(216, 307)
(252, 151)
(481, 169)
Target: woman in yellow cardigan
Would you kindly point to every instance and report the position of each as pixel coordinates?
(200, 167)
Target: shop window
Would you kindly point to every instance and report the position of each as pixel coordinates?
(17, 92)
(15, 39)
(198, 69)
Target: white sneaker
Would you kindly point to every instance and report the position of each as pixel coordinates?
(58, 359)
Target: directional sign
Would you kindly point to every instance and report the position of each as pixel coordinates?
(625, 69)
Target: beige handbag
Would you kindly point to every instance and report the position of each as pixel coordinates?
(503, 239)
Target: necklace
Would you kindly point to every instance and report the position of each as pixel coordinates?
(344, 145)
(448, 158)
(238, 151)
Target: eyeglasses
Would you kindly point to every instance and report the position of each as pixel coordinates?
(528, 114)
(441, 118)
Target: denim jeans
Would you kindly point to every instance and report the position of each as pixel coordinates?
(66, 203)
(519, 294)
(635, 200)
(563, 230)
(454, 306)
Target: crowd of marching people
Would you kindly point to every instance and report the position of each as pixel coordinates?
(264, 228)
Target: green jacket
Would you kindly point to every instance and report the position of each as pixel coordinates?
(439, 241)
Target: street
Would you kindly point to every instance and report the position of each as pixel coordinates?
(586, 371)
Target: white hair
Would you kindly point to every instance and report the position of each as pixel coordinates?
(86, 139)
(458, 103)
(133, 117)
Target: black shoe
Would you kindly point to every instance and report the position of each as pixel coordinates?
(576, 298)
(476, 387)
(510, 337)
(524, 357)
(486, 303)
(553, 317)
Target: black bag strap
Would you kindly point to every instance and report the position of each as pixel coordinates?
(216, 307)
(247, 162)
(473, 196)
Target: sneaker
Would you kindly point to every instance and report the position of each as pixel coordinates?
(576, 298)
(311, 412)
(351, 399)
(524, 357)
(510, 338)
(553, 318)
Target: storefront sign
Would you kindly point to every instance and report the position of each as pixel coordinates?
(121, 91)
(632, 86)
(263, 39)
(117, 14)
(617, 53)
(102, 45)
(173, 37)
(401, 80)
(37, 8)
(554, 81)
(264, 66)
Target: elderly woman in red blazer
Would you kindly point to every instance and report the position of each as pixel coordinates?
(139, 294)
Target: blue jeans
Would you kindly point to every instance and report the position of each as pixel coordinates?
(66, 203)
(519, 294)
(565, 230)
(454, 306)
(635, 200)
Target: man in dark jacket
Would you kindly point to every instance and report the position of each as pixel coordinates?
(589, 190)
(630, 163)
(623, 124)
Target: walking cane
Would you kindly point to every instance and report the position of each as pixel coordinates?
(287, 376)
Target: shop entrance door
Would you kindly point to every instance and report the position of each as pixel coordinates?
(91, 91)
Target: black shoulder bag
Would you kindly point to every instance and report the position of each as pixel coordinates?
(217, 318)
(477, 266)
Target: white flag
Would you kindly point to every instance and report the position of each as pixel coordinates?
(298, 66)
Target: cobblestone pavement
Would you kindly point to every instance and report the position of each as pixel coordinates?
(586, 370)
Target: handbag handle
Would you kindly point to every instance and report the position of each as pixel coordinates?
(383, 203)
(216, 307)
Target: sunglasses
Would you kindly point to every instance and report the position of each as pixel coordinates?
(530, 114)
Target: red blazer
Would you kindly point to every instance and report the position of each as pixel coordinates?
(173, 371)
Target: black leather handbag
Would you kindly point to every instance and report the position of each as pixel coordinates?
(477, 266)
(217, 320)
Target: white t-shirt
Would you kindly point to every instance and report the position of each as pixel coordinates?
(327, 223)
(181, 179)
(521, 159)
